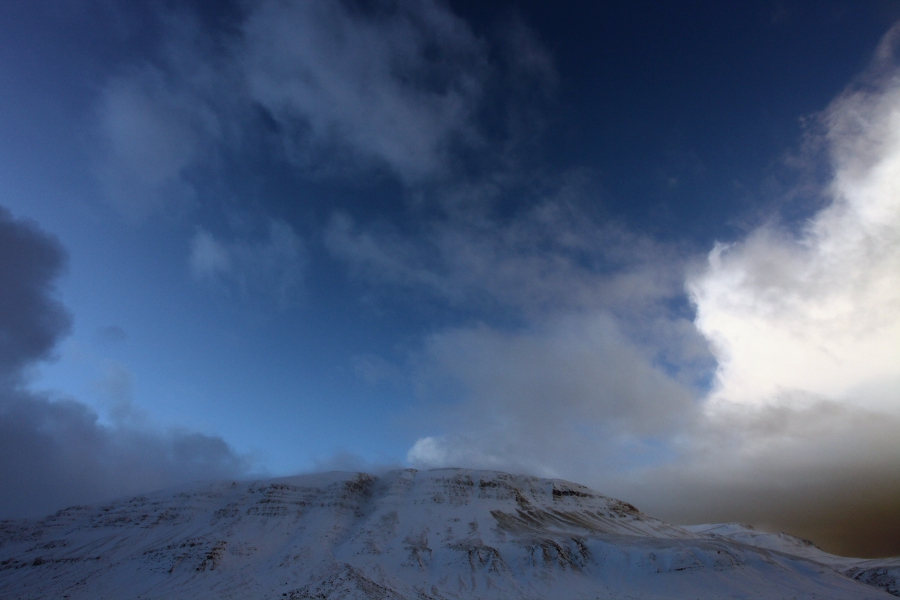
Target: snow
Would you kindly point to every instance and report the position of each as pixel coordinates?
(447, 533)
(880, 572)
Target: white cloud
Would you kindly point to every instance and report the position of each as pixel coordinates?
(802, 427)
(819, 313)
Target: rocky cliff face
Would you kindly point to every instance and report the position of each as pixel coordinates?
(449, 533)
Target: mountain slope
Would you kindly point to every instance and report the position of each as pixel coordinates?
(880, 572)
(448, 533)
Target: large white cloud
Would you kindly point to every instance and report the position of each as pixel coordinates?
(817, 315)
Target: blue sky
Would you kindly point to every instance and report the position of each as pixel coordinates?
(650, 247)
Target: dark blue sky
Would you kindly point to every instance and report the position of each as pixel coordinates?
(647, 246)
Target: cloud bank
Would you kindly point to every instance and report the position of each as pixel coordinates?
(53, 451)
(819, 313)
(802, 426)
(799, 427)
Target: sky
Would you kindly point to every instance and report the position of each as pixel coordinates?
(649, 247)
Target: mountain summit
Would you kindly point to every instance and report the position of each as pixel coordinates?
(440, 534)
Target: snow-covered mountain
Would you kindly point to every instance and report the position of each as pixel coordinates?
(880, 572)
(448, 533)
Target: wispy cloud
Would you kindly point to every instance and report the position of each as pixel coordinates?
(554, 254)
(396, 84)
(273, 265)
(329, 87)
(161, 120)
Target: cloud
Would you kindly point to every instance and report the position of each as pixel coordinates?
(209, 257)
(569, 395)
(819, 312)
(816, 468)
(275, 264)
(398, 88)
(31, 319)
(590, 365)
(329, 87)
(54, 452)
(342, 460)
(554, 254)
(801, 430)
(584, 359)
(149, 145)
(392, 82)
(161, 121)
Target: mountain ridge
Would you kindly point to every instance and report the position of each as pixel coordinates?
(440, 534)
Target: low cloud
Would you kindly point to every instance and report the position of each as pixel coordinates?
(570, 395)
(54, 452)
(813, 467)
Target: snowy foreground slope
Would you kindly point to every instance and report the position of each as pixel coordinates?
(880, 572)
(448, 533)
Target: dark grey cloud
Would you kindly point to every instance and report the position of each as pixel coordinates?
(812, 467)
(31, 319)
(55, 452)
